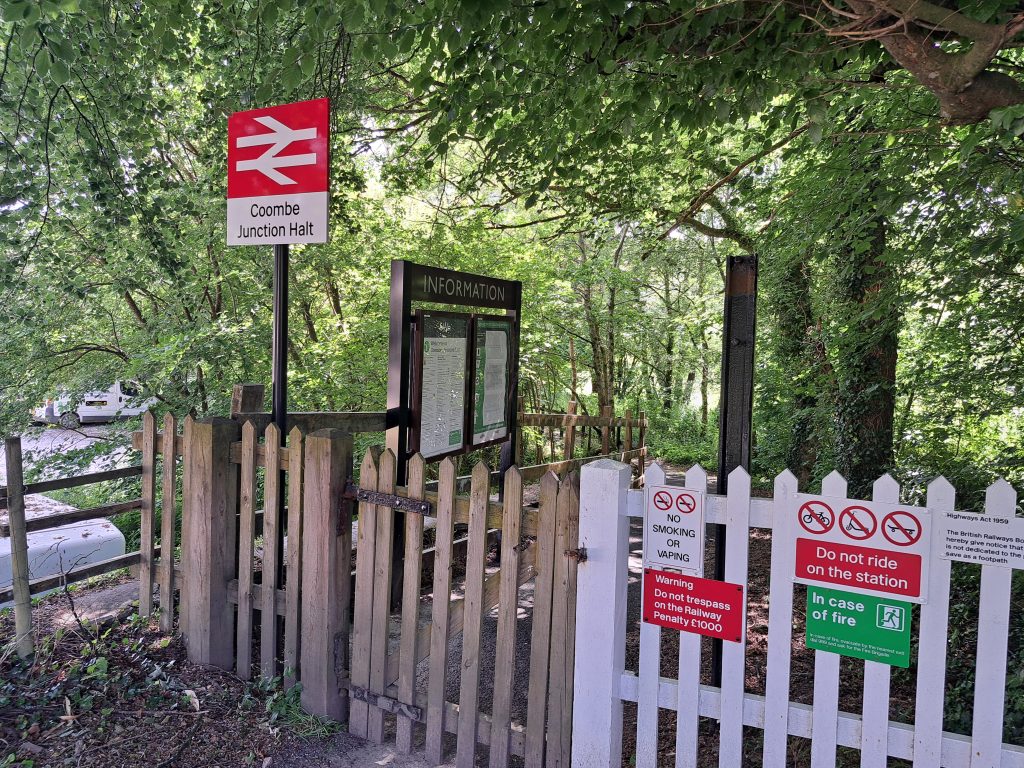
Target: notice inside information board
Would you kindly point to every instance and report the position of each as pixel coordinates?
(443, 384)
(491, 377)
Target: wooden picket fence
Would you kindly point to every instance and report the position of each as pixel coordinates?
(538, 545)
(602, 684)
(260, 580)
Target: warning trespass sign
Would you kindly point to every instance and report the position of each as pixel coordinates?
(868, 547)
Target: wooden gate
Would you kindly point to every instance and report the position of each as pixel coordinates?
(447, 614)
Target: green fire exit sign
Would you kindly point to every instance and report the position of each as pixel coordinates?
(872, 628)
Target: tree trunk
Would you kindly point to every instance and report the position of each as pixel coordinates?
(801, 355)
(867, 359)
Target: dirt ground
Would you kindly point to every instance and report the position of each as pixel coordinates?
(122, 695)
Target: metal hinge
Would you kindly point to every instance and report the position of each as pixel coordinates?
(386, 703)
(352, 493)
(579, 555)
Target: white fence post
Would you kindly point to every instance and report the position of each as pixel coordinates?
(601, 615)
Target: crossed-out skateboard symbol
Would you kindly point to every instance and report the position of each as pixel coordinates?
(663, 500)
(858, 522)
(816, 517)
(901, 528)
(685, 503)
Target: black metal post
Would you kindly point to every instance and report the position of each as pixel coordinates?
(279, 373)
(279, 354)
(735, 413)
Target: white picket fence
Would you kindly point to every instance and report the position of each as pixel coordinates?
(602, 683)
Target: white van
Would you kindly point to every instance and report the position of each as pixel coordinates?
(121, 401)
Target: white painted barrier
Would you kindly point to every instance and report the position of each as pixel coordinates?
(602, 683)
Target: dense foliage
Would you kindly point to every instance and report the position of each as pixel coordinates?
(611, 155)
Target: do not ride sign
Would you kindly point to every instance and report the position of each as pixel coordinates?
(868, 547)
(674, 528)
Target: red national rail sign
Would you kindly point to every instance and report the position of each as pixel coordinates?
(278, 174)
(874, 548)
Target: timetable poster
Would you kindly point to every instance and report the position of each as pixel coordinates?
(443, 384)
(491, 376)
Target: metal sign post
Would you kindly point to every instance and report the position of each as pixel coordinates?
(278, 174)
(735, 413)
(279, 343)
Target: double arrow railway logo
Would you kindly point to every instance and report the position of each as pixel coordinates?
(281, 136)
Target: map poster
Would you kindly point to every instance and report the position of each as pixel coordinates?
(442, 383)
(491, 378)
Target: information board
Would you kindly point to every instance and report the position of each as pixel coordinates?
(982, 539)
(491, 378)
(865, 627)
(443, 382)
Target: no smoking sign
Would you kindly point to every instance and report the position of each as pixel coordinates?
(674, 529)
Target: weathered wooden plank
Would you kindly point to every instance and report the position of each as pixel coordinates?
(410, 604)
(326, 585)
(508, 609)
(439, 612)
(162, 444)
(570, 432)
(271, 536)
(571, 486)
(556, 662)
(381, 612)
(560, 749)
(469, 704)
(44, 486)
(36, 586)
(541, 638)
(362, 623)
(293, 576)
(246, 535)
(181, 572)
(168, 520)
(147, 516)
(211, 484)
(492, 589)
(628, 442)
(20, 587)
(346, 421)
(45, 522)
